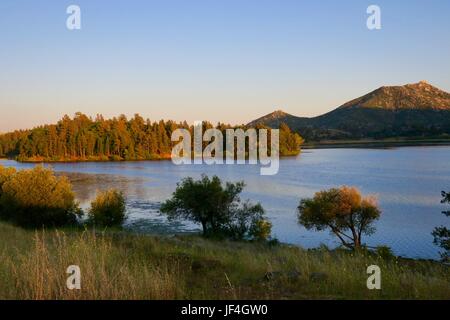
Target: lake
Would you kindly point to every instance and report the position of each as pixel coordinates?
(407, 182)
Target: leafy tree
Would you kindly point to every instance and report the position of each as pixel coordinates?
(343, 211)
(289, 141)
(36, 198)
(442, 234)
(108, 209)
(217, 208)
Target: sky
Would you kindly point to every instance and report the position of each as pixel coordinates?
(230, 61)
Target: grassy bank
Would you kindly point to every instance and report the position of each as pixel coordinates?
(118, 265)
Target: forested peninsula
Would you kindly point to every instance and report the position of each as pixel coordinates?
(82, 138)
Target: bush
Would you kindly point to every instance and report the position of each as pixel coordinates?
(37, 198)
(5, 175)
(260, 229)
(218, 209)
(441, 234)
(384, 252)
(246, 222)
(108, 209)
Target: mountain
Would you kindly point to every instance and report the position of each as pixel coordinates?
(417, 96)
(275, 118)
(419, 110)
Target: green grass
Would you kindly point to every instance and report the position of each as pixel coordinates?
(119, 265)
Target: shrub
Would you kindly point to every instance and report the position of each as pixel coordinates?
(384, 252)
(441, 234)
(108, 209)
(247, 222)
(5, 175)
(37, 198)
(260, 229)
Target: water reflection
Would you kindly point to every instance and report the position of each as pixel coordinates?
(143, 214)
(87, 185)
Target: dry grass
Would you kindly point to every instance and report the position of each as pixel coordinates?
(108, 272)
(117, 265)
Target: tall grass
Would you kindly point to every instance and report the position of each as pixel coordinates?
(107, 272)
(118, 265)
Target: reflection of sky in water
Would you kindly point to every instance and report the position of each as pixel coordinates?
(142, 209)
(407, 182)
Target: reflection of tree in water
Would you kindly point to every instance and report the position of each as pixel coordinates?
(86, 185)
(143, 214)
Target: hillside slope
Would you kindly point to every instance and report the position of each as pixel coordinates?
(419, 110)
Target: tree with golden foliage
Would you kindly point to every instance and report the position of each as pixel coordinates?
(343, 211)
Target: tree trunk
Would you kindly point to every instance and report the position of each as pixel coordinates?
(356, 238)
(357, 242)
(204, 228)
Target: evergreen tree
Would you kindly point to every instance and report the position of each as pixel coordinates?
(82, 138)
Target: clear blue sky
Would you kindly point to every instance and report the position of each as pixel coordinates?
(231, 60)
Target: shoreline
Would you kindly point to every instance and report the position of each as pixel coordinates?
(376, 144)
(333, 144)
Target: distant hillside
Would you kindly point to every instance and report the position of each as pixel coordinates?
(419, 110)
(275, 118)
(417, 96)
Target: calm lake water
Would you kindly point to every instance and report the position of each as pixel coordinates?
(407, 181)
